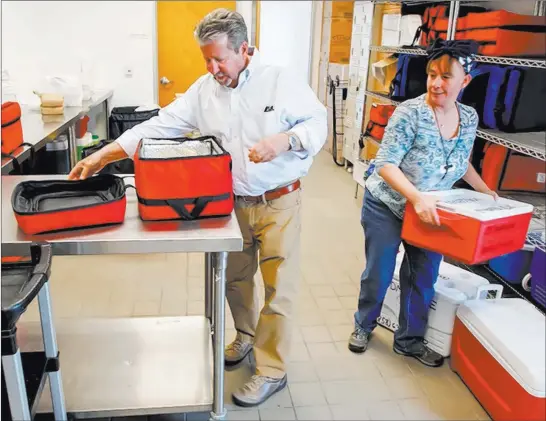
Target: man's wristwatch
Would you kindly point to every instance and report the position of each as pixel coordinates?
(294, 143)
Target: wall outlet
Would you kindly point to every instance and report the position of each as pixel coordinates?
(128, 72)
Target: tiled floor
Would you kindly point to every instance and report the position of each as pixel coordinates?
(326, 381)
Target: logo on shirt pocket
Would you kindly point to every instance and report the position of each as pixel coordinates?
(269, 108)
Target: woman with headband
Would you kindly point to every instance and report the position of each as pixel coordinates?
(426, 146)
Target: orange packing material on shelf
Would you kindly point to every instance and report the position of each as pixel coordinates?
(12, 130)
(501, 19)
(499, 33)
(379, 117)
(506, 170)
(503, 42)
(431, 15)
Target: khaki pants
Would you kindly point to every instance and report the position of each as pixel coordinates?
(271, 237)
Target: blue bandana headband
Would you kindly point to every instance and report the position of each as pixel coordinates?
(463, 51)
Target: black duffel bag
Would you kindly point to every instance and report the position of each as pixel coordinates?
(125, 118)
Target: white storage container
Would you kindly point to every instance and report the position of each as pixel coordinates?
(359, 169)
(453, 287)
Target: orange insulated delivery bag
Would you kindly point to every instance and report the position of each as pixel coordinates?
(12, 130)
(55, 205)
(183, 178)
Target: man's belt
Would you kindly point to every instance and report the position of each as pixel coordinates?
(272, 194)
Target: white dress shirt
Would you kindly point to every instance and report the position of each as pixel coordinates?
(267, 100)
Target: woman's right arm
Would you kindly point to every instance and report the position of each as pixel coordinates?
(398, 139)
(425, 205)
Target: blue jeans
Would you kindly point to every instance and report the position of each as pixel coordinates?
(418, 273)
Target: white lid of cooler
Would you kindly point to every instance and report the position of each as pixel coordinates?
(479, 206)
(514, 332)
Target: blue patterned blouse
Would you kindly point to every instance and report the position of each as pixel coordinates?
(412, 142)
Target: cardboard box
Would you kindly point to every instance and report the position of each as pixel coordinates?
(343, 9)
(359, 169)
(338, 70)
(384, 71)
(339, 55)
(390, 33)
(371, 147)
(340, 41)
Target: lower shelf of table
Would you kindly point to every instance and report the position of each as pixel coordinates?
(131, 366)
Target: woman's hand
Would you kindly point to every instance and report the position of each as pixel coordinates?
(492, 193)
(425, 207)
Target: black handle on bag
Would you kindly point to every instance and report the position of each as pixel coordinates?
(179, 205)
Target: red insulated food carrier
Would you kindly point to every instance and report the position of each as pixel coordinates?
(474, 227)
(184, 178)
(55, 205)
(498, 351)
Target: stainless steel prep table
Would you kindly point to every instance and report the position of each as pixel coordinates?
(38, 133)
(137, 366)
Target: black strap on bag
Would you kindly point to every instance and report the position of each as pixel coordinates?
(179, 205)
(15, 163)
(368, 131)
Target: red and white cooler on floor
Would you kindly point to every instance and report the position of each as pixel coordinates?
(499, 352)
(474, 228)
(453, 287)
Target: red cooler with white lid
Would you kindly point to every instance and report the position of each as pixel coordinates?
(474, 227)
(498, 350)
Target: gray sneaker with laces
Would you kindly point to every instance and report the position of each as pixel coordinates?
(236, 351)
(358, 342)
(257, 390)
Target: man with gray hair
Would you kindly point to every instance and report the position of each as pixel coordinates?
(273, 125)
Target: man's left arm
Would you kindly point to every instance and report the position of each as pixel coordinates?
(303, 113)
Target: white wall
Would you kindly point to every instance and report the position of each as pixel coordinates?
(42, 38)
(316, 42)
(285, 34)
(245, 9)
(50, 37)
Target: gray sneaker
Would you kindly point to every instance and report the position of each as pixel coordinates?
(358, 342)
(236, 351)
(257, 390)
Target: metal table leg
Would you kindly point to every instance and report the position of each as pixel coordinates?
(209, 287)
(51, 351)
(106, 116)
(12, 366)
(72, 147)
(220, 264)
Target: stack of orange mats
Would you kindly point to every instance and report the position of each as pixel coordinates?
(55, 205)
(499, 33)
(183, 178)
